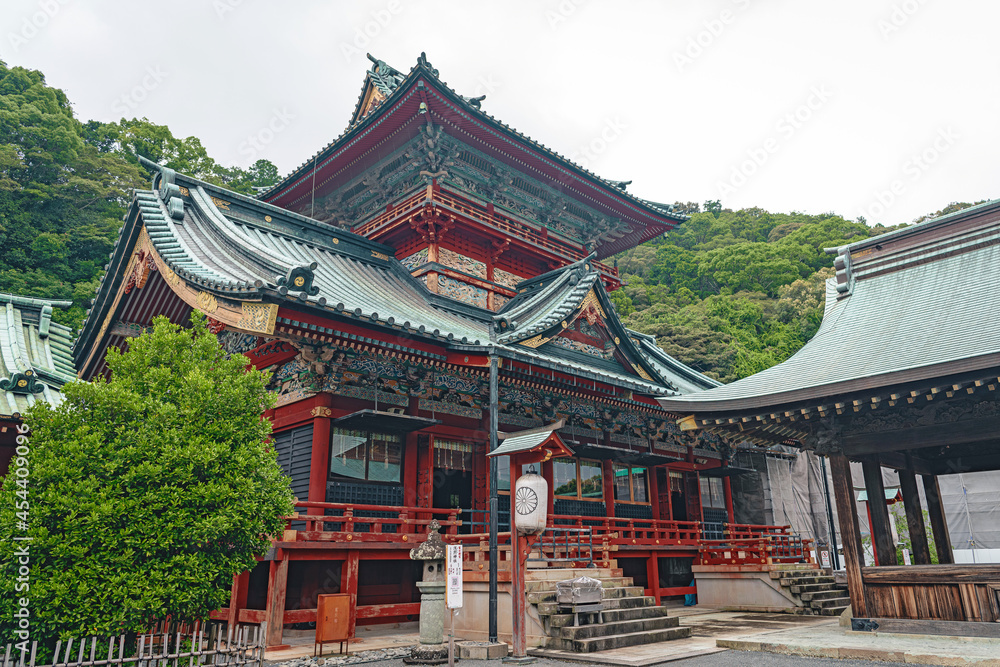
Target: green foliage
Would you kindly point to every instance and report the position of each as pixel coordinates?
(147, 492)
(905, 542)
(65, 185)
(734, 292)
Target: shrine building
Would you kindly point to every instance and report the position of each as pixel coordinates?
(903, 374)
(377, 281)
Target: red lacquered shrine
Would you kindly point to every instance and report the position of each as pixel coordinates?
(376, 281)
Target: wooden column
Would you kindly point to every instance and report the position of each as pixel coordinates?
(653, 576)
(880, 530)
(727, 493)
(939, 524)
(411, 461)
(277, 585)
(608, 472)
(425, 473)
(319, 462)
(547, 475)
(654, 492)
(850, 533)
(349, 585)
(238, 597)
(914, 517)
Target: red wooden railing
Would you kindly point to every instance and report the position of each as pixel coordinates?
(755, 545)
(510, 225)
(742, 544)
(354, 522)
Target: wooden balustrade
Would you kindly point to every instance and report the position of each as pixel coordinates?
(755, 545)
(349, 522)
(536, 234)
(343, 523)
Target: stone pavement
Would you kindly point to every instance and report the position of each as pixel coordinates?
(830, 640)
(712, 632)
(707, 626)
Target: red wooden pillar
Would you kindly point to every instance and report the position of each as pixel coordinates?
(547, 475)
(653, 576)
(670, 492)
(425, 472)
(238, 597)
(608, 472)
(727, 493)
(319, 463)
(410, 461)
(654, 492)
(277, 584)
(349, 585)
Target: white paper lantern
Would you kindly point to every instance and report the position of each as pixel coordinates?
(530, 504)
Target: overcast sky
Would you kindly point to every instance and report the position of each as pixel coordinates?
(882, 108)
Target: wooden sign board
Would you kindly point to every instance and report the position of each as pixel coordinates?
(453, 589)
(333, 620)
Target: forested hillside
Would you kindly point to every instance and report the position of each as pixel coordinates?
(730, 292)
(65, 185)
(734, 292)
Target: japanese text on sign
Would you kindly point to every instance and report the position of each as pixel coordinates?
(453, 592)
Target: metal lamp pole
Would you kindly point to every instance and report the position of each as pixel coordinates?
(494, 502)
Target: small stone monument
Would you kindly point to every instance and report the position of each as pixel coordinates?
(431, 650)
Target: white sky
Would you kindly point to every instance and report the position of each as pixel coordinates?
(887, 81)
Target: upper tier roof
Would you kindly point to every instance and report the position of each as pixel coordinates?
(237, 250)
(906, 306)
(392, 108)
(35, 360)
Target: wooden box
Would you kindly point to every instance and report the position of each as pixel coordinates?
(333, 620)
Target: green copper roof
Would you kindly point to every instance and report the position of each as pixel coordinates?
(243, 249)
(35, 358)
(922, 304)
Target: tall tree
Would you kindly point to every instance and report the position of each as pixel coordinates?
(148, 491)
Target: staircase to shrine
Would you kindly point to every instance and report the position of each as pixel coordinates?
(630, 618)
(814, 589)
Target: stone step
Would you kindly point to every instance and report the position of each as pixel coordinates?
(612, 615)
(563, 573)
(806, 581)
(609, 582)
(811, 588)
(830, 602)
(832, 611)
(607, 629)
(538, 597)
(822, 595)
(801, 572)
(550, 608)
(618, 641)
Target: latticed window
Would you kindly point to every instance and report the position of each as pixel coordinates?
(363, 455)
(577, 478)
(631, 484)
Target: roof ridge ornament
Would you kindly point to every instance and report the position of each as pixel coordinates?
(298, 278)
(25, 382)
